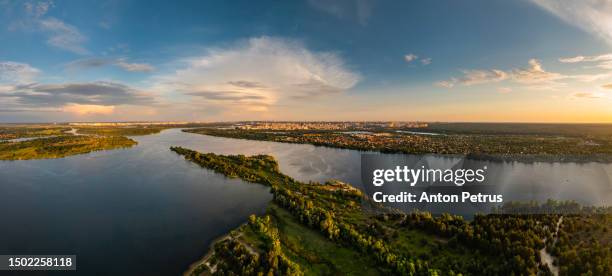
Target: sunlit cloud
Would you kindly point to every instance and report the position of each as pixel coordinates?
(534, 76)
(593, 16)
(602, 61)
(504, 90)
(88, 109)
(447, 84)
(535, 73)
(588, 95)
(257, 74)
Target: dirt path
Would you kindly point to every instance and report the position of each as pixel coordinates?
(548, 259)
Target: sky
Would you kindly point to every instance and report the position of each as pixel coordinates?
(331, 60)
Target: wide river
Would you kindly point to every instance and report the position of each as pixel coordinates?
(147, 211)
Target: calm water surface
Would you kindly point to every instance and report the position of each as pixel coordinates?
(145, 210)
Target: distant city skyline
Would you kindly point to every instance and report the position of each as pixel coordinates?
(315, 60)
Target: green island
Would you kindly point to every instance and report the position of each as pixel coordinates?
(332, 228)
(496, 142)
(61, 146)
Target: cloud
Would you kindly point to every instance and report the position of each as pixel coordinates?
(471, 77)
(588, 95)
(603, 61)
(504, 90)
(447, 84)
(63, 36)
(88, 109)
(359, 10)
(121, 62)
(15, 72)
(410, 57)
(135, 67)
(593, 16)
(534, 75)
(59, 33)
(38, 9)
(258, 73)
(94, 93)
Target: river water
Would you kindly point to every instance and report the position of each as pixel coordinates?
(145, 210)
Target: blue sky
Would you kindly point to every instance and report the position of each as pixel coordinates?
(523, 60)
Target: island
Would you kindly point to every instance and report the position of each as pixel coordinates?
(61, 146)
(43, 141)
(332, 228)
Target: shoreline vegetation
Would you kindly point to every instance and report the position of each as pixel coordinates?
(478, 144)
(330, 228)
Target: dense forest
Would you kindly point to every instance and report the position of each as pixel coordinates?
(349, 234)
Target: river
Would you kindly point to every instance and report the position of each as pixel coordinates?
(145, 210)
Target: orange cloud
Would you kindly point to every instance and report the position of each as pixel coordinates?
(88, 109)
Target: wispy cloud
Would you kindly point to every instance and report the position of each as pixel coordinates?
(409, 58)
(135, 67)
(447, 83)
(360, 10)
(587, 95)
(534, 75)
(38, 9)
(16, 73)
(603, 61)
(258, 73)
(119, 62)
(63, 35)
(471, 77)
(594, 16)
(504, 90)
(59, 33)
